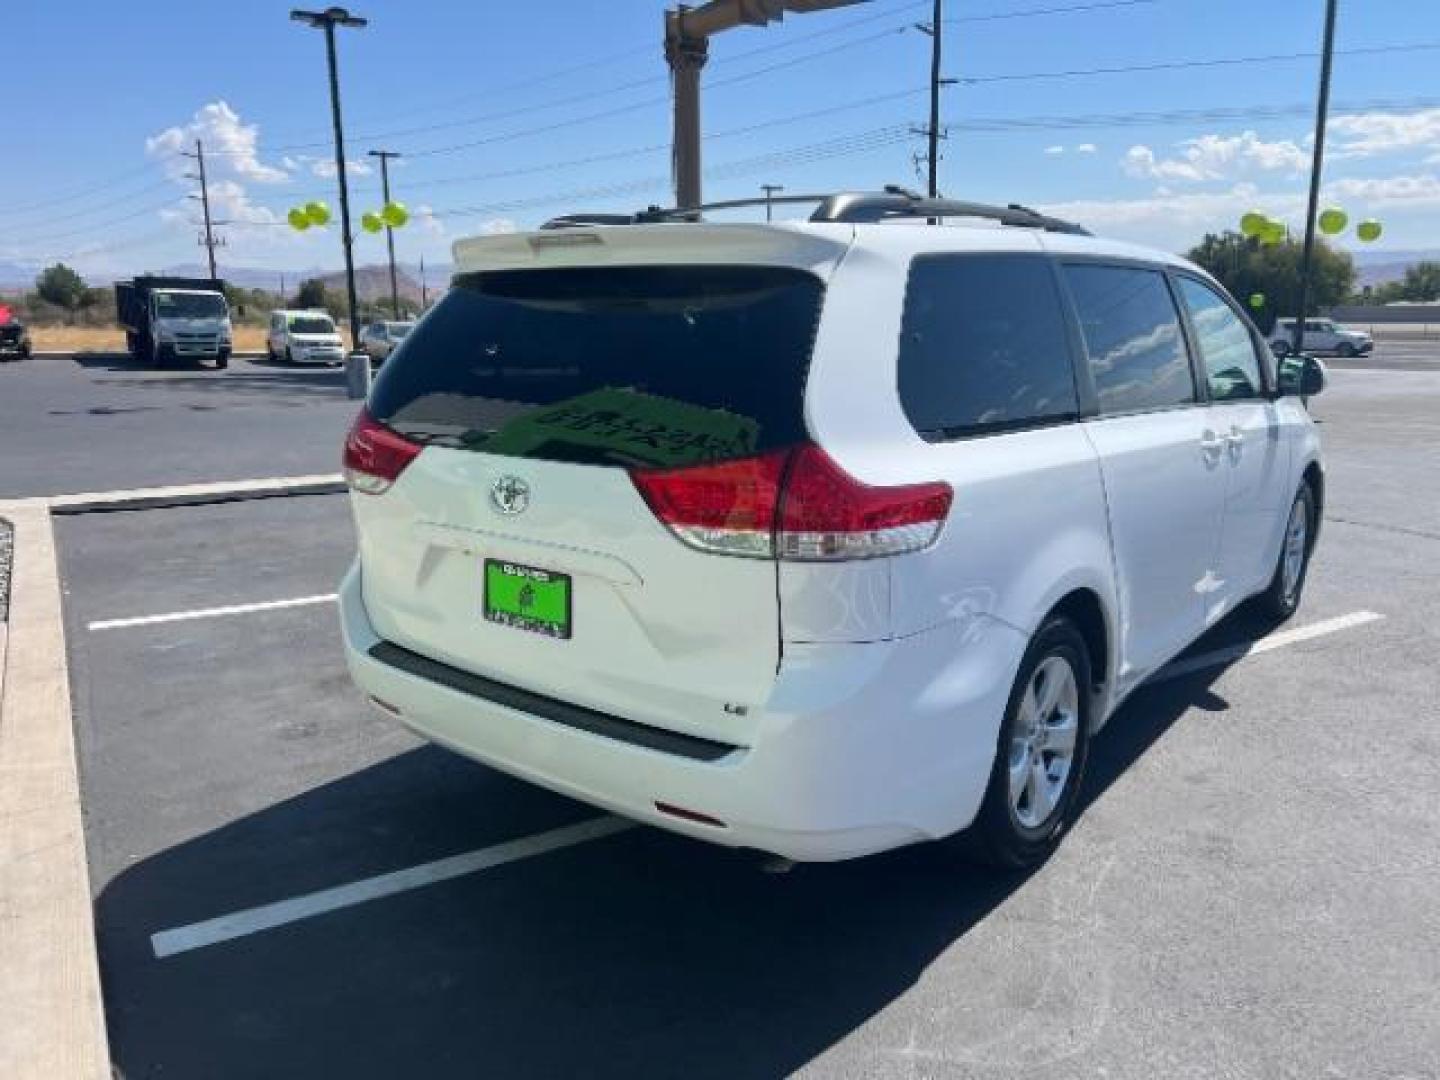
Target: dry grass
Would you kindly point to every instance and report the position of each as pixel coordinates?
(248, 339)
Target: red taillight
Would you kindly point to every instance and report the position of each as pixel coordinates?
(825, 513)
(375, 455)
(727, 508)
(795, 504)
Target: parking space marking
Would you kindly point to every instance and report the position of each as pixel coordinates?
(212, 613)
(269, 916)
(1266, 644)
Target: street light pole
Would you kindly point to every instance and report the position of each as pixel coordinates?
(385, 156)
(327, 20)
(1322, 109)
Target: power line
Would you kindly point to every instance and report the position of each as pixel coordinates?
(91, 190)
(1175, 65)
(1030, 13)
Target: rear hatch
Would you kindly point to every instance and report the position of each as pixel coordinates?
(546, 419)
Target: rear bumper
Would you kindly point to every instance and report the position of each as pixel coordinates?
(862, 747)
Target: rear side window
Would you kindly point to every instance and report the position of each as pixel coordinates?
(983, 346)
(632, 365)
(1132, 335)
(1232, 368)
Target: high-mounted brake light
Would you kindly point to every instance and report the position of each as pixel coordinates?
(793, 504)
(374, 455)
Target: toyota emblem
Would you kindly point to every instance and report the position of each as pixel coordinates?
(510, 494)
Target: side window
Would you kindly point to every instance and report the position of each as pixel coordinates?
(1231, 367)
(1132, 334)
(983, 346)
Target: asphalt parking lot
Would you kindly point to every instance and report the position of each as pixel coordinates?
(287, 885)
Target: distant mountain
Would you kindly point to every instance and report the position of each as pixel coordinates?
(1379, 267)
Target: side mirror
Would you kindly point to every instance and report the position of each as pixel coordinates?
(1302, 375)
(1279, 349)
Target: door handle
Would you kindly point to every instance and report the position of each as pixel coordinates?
(1211, 445)
(1235, 440)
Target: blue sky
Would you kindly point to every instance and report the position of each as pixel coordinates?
(510, 113)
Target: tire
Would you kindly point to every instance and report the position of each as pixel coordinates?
(1281, 597)
(289, 356)
(1346, 350)
(1014, 829)
(222, 361)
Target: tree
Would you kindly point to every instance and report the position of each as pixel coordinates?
(1245, 267)
(311, 294)
(1422, 282)
(61, 286)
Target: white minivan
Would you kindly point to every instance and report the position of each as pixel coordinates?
(303, 337)
(816, 538)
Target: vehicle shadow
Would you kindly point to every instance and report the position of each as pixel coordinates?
(639, 955)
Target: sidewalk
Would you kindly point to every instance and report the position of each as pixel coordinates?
(52, 1021)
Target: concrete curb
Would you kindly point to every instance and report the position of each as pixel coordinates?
(87, 502)
(52, 1020)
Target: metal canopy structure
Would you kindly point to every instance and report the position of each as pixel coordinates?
(687, 46)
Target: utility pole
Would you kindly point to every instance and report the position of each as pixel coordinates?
(327, 20)
(932, 132)
(1322, 109)
(770, 190)
(424, 299)
(209, 243)
(385, 156)
(282, 290)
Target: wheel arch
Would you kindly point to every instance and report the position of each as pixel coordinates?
(1085, 608)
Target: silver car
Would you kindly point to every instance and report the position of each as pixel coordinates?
(378, 340)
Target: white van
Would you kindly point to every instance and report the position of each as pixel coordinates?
(303, 337)
(816, 538)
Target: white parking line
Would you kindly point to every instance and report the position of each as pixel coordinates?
(1266, 644)
(212, 613)
(282, 912)
(268, 916)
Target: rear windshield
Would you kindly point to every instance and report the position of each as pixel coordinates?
(311, 324)
(634, 366)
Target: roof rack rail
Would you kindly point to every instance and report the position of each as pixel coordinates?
(896, 202)
(852, 207)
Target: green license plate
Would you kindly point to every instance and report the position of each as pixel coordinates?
(527, 598)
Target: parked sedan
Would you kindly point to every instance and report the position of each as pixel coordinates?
(378, 340)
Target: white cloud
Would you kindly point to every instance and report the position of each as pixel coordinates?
(499, 225)
(1373, 134)
(1401, 192)
(1086, 148)
(424, 216)
(230, 146)
(1054, 151)
(325, 167)
(1216, 157)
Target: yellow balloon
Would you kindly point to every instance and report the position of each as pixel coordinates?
(1253, 223)
(395, 214)
(1369, 230)
(371, 222)
(298, 219)
(1274, 233)
(1333, 220)
(317, 212)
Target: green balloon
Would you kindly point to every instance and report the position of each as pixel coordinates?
(318, 213)
(1333, 220)
(395, 214)
(1274, 233)
(371, 222)
(298, 219)
(1253, 223)
(1369, 230)
(1257, 300)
